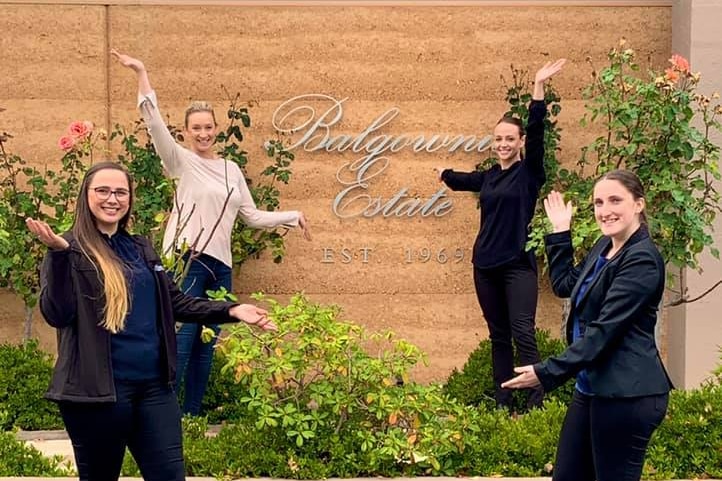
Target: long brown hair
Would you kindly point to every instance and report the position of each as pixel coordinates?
(96, 249)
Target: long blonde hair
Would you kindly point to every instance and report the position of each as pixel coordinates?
(108, 266)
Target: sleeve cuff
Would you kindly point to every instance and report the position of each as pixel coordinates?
(151, 98)
(558, 237)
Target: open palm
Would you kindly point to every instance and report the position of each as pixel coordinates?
(549, 70)
(558, 213)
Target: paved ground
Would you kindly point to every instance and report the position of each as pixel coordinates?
(56, 442)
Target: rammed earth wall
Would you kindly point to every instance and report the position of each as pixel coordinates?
(398, 256)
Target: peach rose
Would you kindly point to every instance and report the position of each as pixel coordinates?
(671, 74)
(680, 63)
(66, 142)
(80, 129)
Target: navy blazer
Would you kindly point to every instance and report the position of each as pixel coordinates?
(617, 315)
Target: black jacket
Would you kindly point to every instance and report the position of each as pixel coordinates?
(617, 315)
(72, 301)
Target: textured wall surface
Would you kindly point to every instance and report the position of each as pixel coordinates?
(441, 67)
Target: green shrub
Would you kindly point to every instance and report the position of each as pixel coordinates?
(319, 399)
(25, 372)
(323, 398)
(222, 399)
(474, 384)
(19, 459)
(688, 444)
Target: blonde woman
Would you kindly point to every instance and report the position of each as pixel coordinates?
(115, 309)
(204, 184)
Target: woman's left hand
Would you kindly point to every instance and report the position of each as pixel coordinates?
(543, 74)
(252, 315)
(303, 224)
(549, 70)
(527, 378)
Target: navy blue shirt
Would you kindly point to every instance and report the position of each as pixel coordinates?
(582, 384)
(135, 351)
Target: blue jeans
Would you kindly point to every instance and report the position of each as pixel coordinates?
(145, 418)
(195, 357)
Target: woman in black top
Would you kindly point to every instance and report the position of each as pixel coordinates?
(114, 307)
(622, 387)
(504, 272)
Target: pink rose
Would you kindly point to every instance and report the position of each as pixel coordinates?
(80, 129)
(66, 142)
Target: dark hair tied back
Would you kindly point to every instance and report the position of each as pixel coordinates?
(508, 119)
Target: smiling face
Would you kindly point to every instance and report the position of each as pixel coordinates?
(508, 143)
(109, 198)
(617, 211)
(201, 132)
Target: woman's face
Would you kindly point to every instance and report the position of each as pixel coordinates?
(616, 210)
(507, 142)
(201, 133)
(108, 199)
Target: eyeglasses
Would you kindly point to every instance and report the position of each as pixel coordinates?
(104, 193)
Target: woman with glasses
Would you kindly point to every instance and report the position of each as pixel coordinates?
(115, 309)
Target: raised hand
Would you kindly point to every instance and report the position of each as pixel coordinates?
(545, 73)
(252, 315)
(46, 235)
(128, 61)
(549, 70)
(303, 224)
(136, 66)
(558, 213)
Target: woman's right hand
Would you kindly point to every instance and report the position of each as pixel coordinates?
(439, 171)
(128, 61)
(558, 213)
(252, 315)
(46, 235)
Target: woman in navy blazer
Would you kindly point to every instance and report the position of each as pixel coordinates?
(622, 388)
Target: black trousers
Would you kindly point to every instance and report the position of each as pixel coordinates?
(508, 297)
(145, 418)
(605, 439)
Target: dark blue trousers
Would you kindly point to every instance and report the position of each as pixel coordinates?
(145, 418)
(605, 439)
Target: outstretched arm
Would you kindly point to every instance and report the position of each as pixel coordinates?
(464, 181)
(560, 254)
(136, 66)
(534, 145)
(57, 297)
(169, 151)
